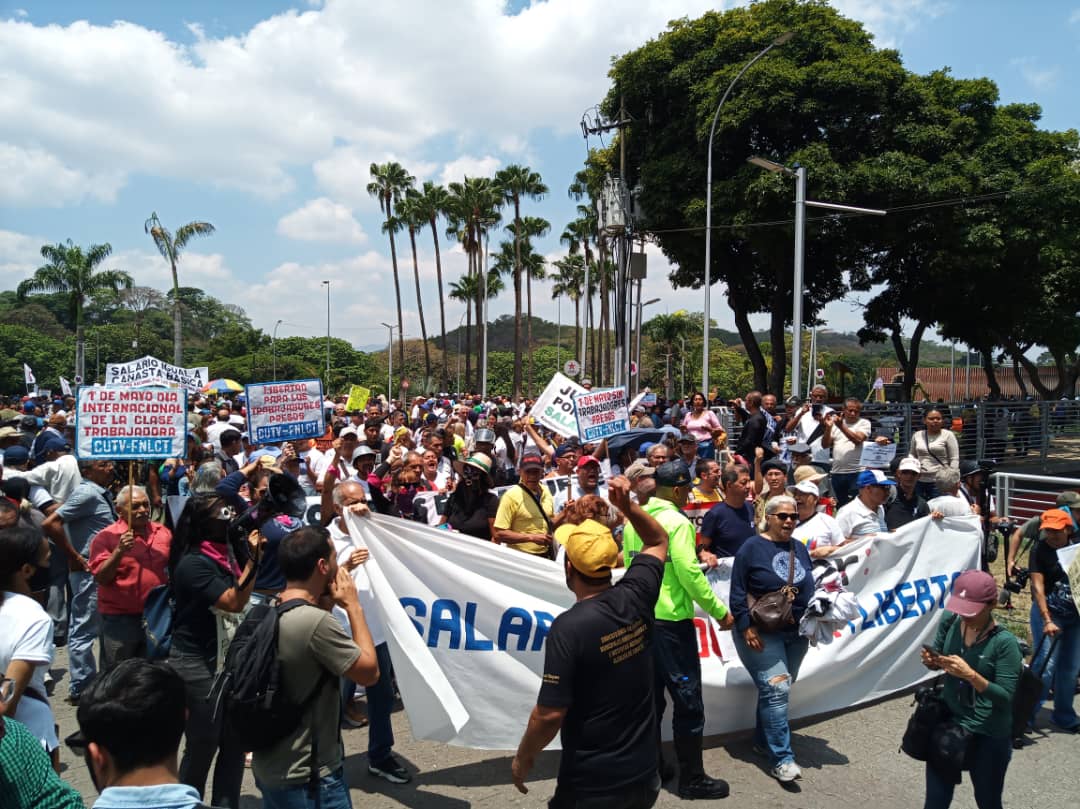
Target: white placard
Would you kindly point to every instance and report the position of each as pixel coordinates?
(130, 422)
(151, 372)
(285, 411)
(601, 413)
(554, 407)
(876, 456)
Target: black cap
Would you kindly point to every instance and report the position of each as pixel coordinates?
(673, 473)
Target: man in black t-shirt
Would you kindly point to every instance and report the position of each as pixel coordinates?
(598, 678)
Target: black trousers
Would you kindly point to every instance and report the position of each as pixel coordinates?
(637, 796)
(678, 673)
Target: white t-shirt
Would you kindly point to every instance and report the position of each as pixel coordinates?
(575, 492)
(214, 431)
(819, 531)
(856, 520)
(806, 427)
(344, 545)
(950, 505)
(26, 633)
(845, 452)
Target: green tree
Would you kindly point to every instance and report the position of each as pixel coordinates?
(665, 331)
(515, 182)
(411, 218)
(433, 203)
(73, 272)
(570, 283)
(389, 183)
(468, 291)
(171, 246)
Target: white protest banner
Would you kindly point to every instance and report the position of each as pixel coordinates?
(554, 407)
(151, 372)
(876, 456)
(601, 413)
(65, 387)
(695, 512)
(466, 622)
(1069, 558)
(285, 411)
(128, 422)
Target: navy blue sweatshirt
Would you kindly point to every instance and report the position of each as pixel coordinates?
(761, 566)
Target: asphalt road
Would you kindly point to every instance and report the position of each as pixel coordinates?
(850, 760)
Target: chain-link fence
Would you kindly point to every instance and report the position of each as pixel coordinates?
(1018, 433)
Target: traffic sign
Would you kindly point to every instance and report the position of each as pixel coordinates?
(78, 379)
(633, 368)
(572, 368)
(820, 373)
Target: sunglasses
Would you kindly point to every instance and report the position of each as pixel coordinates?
(784, 516)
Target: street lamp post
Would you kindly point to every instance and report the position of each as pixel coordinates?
(460, 321)
(637, 353)
(390, 364)
(327, 283)
(780, 40)
(801, 204)
(273, 347)
(558, 333)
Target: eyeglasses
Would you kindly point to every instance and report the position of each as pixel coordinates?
(784, 516)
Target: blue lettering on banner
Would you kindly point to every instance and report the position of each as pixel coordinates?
(271, 433)
(909, 599)
(449, 624)
(134, 447)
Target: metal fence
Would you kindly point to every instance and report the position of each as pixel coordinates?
(1021, 496)
(1018, 434)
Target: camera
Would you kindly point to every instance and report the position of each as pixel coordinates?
(816, 408)
(1018, 581)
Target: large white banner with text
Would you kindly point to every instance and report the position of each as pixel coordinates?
(466, 622)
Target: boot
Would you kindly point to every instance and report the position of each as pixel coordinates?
(694, 784)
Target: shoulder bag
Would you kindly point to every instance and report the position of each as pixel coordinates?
(771, 612)
(547, 521)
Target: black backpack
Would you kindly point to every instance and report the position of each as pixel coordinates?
(248, 692)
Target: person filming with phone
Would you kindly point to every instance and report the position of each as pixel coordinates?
(982, 662)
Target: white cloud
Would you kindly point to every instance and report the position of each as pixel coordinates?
(467, 166)
(1074, 18)
(322, 220)
(20, 254)
(1038, 78)
(889, 20)
(33, 176)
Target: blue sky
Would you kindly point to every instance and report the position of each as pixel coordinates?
(262, 117)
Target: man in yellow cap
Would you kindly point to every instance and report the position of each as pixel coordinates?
(598, 676)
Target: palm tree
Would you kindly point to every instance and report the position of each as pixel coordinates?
(468, 291)
(171, 245)
(472, 211)
(140, 300)
(569, 281)
(389, 182)
(516, 182)
(71, 272)
(665, 331)
(432, 203)
(532, 227)
(411, 218)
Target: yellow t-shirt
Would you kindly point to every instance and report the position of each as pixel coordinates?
(698, 496)
(518, 513)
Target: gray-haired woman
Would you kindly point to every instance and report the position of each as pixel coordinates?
(772, 656)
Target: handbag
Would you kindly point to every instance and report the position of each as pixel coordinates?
(930, 711)
(157, 620)
(771, 612)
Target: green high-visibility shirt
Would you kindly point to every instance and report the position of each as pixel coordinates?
(683, 583)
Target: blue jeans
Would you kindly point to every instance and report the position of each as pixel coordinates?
(706, 450)
(677, 669)
(843, 486)
(989, 760)
(773, 671)
(1061, 670)
(83, 630)
(380, 704)
(333, 794)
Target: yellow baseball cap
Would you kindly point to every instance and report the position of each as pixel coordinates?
(591, 549)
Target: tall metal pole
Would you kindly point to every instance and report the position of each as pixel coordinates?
(585, 317)
(558, 335)
(637, 348)
(952, 372)
(797, 282)
(390, 362)
(780, 40)
(327, 333)
(484, 356)
(273, 347)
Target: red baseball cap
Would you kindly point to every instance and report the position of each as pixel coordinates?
(585, 460)
(971, 592)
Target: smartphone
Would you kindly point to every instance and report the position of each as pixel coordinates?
(930, 650)
(816, 409)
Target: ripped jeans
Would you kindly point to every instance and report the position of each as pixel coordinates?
(773, 670)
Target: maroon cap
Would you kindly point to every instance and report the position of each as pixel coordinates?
(532, 460)
(971, 592)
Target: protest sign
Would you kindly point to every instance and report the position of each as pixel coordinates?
(554, 407)
(284, 411)
(1069, 558)
(151, 372)
(467, 620)
(601, 413)
(876, 456)
(695, 512)
(357, 400)
(129, 422)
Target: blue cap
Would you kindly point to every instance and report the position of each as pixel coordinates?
(646, 446)
(564, 449)
(16, 455)
(29, 406)
(48, 442)
(273, 452)
(873, 477)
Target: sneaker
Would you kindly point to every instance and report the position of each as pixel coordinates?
(703, 787)
(353, 716)
(786, 771)
(391, 770)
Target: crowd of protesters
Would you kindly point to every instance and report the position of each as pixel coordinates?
(82, 552)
